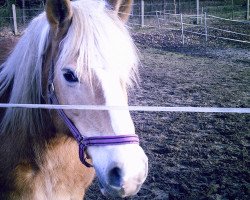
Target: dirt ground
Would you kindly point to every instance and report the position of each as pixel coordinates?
(192, 155)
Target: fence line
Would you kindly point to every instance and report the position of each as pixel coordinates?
(205, 27)
(228, 31)
(232, 20)
(218, 37)
(131, 108)
(162, 21)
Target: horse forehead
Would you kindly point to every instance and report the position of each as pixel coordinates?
(100, 41)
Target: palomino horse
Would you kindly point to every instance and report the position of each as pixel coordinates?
(77, 53)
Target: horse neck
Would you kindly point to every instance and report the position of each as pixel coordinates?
(21, 144)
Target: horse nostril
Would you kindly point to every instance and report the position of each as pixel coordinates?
(115, 177)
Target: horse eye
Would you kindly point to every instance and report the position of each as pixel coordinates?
(70, 77)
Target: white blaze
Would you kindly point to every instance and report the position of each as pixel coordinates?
(114, 94)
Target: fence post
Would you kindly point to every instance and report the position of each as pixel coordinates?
(197, 11)
(175, 7)
(14, 18)
(248, 9)
(202, 11)
(205, 22)
(232, 9)
(142, 13)
(182, 29)
(158, 20)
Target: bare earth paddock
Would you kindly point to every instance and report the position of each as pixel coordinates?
(192, 155)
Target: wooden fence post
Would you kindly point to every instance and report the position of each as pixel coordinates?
(158, 20)
(202, 11)
(182, 29)
(205, 22)
(197, 11)
(14, 19)
(142, 13)
(248, 9)
(175, 7)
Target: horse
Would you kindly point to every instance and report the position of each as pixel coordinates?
(74, 53)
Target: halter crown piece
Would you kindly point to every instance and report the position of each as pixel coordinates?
(84, 142)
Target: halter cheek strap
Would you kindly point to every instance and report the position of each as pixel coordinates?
(84, 142)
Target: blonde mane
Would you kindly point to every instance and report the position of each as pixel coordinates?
(23, 69)
(96, 39)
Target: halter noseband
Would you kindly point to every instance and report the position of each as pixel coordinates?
(84, 142)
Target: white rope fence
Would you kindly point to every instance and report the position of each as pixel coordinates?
(131, 108)
(221, 18)
(162, 22)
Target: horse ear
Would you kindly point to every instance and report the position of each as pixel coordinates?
(59, 14)
(122, 8)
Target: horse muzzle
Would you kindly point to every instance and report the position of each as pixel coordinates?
(122, 169)
(117, 185)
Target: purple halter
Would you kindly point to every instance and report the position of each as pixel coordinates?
(84, 142)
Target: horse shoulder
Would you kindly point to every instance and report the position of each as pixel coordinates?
(61, 175)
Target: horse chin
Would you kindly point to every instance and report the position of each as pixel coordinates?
(123, 191)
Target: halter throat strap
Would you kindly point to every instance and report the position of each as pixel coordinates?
(83, 141)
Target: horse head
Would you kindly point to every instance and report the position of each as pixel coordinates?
(94, 62)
